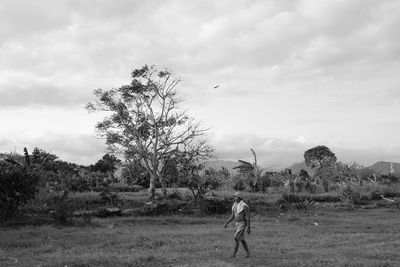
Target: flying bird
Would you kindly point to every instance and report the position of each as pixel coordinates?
(215, 87)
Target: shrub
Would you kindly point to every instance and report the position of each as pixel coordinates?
(62, 208)
(388, 179)
(298, 184)
(277, 180)
(310, 187)
(215, 205)
(238, 183)
(120, 187)
(108, 197)
(295, 201)
(201, 183)
(350, 196)
(163, 207)
(264, 182)
(79, 184)
(302, 199)
(175, 195)
(17, 185)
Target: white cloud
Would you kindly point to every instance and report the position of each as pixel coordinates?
(310, 71)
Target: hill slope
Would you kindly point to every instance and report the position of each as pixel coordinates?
(384, 167)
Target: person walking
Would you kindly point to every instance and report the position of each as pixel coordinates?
(241, 216)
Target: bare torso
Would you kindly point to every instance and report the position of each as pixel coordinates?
(239, 217)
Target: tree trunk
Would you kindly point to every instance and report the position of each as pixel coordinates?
(152, 188)
(164, 187)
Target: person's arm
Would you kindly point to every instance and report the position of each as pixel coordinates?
(247, 217)
(230, 219)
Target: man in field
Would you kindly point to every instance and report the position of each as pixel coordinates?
(241, 216)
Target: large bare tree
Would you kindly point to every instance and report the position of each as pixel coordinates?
(146, 122)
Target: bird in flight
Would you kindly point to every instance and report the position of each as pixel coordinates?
(215, 87)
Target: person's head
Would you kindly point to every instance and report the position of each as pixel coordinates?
(238, 196)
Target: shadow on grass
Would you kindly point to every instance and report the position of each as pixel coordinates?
(41, 220)
(144, 260)
(20, 221)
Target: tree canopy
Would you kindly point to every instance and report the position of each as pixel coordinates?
(319, 156)
(146, 122)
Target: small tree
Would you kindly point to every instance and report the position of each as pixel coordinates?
(200, 183)
(107, 164)
(323, 160)
(252, 171)
(145, 120)
(319, 157)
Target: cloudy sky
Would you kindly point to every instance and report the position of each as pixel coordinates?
(292, 74)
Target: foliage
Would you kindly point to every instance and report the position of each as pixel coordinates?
(251, 171)
(163, 207)
(18, 184)
(42, 157)
(238, 182)
(133, 173)
(277, 180)
(108, 196)
(350, 197)
(146, 122)
(199, 183)
(388, 179)
(215, 205)
(61, 206)
(319, 157)
(107, 164)
(310, 187)
(264, 182)
(120, 187)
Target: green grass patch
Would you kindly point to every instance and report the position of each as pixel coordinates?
(293, 238)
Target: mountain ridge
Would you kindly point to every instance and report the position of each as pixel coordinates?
(379, 167)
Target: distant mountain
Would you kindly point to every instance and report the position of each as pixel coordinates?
(384, 167)
(380, 167)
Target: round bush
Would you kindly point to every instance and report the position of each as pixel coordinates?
(17, 186)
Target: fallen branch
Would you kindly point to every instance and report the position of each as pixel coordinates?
(388, 199)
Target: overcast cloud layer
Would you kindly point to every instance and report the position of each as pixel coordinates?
(291, 74)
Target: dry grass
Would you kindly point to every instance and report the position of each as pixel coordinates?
(306, 238)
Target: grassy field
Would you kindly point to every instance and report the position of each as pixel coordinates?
(294, 238)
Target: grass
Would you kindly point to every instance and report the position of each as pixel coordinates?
(294, 238)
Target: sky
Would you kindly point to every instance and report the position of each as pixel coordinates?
(291, 74)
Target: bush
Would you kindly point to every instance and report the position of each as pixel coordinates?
(310, 187)
(239, 183)
(277, 180)
(17, 186)
(79, 184)
(215, 205)
(299, 198)
(62, 208)
(163, 207)
(119, 187)
(175, 195)
(351, 196)
(109, 197)
(264, 182)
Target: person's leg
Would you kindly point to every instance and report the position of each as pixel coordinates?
(244, 244)
(236, 248)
